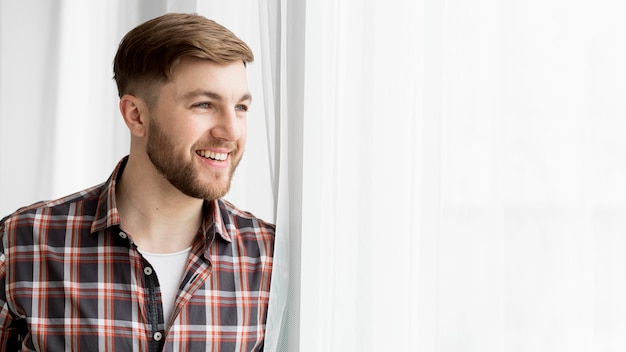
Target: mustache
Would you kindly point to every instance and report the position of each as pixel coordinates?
(232, 146)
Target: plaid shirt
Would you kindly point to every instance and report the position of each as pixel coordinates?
(71, 279)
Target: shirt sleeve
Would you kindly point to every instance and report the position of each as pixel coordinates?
(10, 337)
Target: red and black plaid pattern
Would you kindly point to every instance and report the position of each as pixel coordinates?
(71, 279)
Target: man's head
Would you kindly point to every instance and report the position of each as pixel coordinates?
(184, 96)
(147, 53)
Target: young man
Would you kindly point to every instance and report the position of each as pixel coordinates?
(153, 259)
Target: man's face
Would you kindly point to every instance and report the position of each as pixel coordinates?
(197, 129)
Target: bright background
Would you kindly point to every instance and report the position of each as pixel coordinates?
(444, 175)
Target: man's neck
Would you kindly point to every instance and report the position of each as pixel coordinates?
(158, 217)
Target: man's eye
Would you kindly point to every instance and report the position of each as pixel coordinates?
(202, 105)
(241, 107)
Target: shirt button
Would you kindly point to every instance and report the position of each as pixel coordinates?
(123, 235)
(147, 270)
(157, 336)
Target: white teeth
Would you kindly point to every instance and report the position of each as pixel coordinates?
(212, 155)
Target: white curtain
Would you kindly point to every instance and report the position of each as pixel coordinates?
(462, 176)
(444, 175)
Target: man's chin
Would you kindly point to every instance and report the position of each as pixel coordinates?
(215, 190)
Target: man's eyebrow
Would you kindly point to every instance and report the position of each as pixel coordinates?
(196, 93)
(199, 92)
(245, 97)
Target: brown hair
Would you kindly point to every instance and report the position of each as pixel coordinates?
(147, 53)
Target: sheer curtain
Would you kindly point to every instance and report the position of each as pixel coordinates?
(55, 70)
(463, 167)
(444, 175)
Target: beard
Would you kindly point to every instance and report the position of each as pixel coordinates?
(183, 174)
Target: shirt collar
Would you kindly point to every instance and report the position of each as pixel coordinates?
(213, 213)
(107, 214)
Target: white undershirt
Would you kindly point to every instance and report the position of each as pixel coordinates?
(169, 268)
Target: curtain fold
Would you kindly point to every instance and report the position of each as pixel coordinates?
(359, 118)
(283, 328)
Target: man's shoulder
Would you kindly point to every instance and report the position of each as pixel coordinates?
(80, 203)
(242, 219)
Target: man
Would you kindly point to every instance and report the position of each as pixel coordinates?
(153, 259)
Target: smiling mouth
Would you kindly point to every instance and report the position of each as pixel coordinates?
(212, 155)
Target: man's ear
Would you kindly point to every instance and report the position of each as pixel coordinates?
(134, 111)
